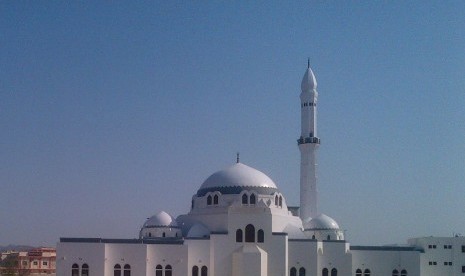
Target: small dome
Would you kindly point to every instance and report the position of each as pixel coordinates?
(161, 219)
(198, 230)
(321, 222)
(309, 80)
(238, 175)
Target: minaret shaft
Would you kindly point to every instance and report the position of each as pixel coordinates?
(308, 145)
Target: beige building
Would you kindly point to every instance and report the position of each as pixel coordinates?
(35, 262)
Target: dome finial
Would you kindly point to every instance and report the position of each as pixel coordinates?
(308, 62)
(237, 157)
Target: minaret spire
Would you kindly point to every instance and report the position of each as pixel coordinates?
(308, 144)
(237, 157)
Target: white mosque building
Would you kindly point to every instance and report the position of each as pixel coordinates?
(240, 225)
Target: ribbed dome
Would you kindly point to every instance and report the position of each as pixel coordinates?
(161, 219)
(309, 80)
(238, 175)
(321, 222)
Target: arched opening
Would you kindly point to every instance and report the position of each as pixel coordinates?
(253, 199)
(328, 237)
(395, 272)
(250, 233)
(245, 200)
(276, 200)
(215, 200)
(150, 234)
(302, 271)
(358, 272)
(168, 270)
(209, 200)
(158, 270)
(239, 235)
(325, 272)
(367, 272)
(85, 270)
(313, 237)
(260, 236)
(195, 270)
(403, 272)
(75, 270)
(117, 270)
(127, 270)
(163, 235)
(280, 201)
(204, 271)
(333, 272)
(293, 272)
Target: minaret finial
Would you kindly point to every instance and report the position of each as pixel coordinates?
(308, 63)
(237, 157)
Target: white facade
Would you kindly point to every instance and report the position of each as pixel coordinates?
(239, 224)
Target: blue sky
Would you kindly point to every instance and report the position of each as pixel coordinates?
(111, 112)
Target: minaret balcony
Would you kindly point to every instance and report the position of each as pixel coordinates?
(308, 140)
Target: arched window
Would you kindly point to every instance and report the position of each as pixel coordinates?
(293, 272)
(158, 270)
(403, 272)
(168, 270)
(209, 200)
(302, 271)
(85, 270)
(204, 271)
(195, 270)
(127, 270)
(245, 200)
(239, 235)
(367, 272)
(280, 201)
(215, 200)
(117, 270)
(150, 234)
(333, 272)
(276, 200)
(163, 234)
(358, 272)
(75, 270)
(250, 233)
(395, 272)
(313, 237)
(328, 237)
(260, 236)
(253, 199)
(325, 272)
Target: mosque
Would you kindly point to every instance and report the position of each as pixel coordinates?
(239, 224)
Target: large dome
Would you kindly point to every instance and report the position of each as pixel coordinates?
(237, 178)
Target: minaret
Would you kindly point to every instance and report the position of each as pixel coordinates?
(308, 145)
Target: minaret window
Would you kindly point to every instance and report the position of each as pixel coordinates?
(117, 270)
(302, 271)
(85, 270)
(250, 233)
(245, 199)
(204, 271)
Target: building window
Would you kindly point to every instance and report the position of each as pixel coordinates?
(117, 270)
(463, 268)
(333, 272)
(215, 200)
(358, 272)
(245, 200)
(168, 270)
(313, 237)
(75, 270)
(260, 236)
(252, 199)
(293, 272)
(158, 270)
(209, 200)
(85, 270)
(280, 201)
(395, 272)
(302, 271)
(239, 235)
(403, 272)
(35, 263)
(276, 202)
(195, 270)
(44, 263)
(367, 272)
(204, 271)
(325, 272)
(328, 237)
(250, 233)
(463, 248)
(163, 234)
(127, 270)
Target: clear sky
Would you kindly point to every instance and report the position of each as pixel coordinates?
(113, 111)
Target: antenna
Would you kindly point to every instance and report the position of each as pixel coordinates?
(237, 157)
